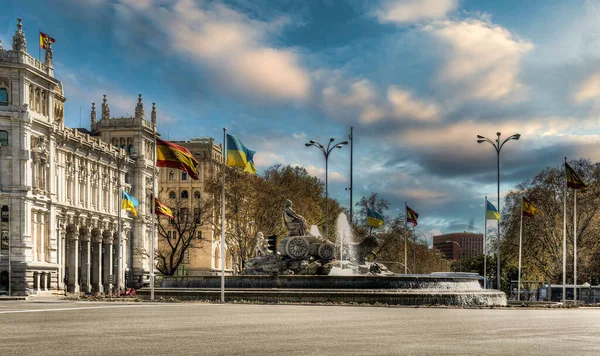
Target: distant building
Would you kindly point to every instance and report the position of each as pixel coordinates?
(204, 256)
(457, 245)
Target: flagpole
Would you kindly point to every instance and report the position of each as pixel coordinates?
(120, 207)
(153, 217)
(405, 238)
(223, 217)
(39, 47)
(485, 244)
(564, 295)
(575, 246)
(520, 244)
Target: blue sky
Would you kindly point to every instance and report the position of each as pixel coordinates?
(418, 80)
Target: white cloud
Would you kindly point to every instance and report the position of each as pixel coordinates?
(482, 60)
(405, 105)
(319, 172)
(589, 89)
(234, 47)
(410, 11)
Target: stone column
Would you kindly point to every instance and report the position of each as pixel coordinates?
(107, 265)
(97, 262)
(86, 254)
(73, 259)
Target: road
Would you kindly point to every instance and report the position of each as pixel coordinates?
(96, 328)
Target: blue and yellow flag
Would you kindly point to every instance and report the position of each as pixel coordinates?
(238, 155)
(374, 218)
(129, 203)
(491, 213)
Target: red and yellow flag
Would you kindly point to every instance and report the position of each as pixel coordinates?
(174, 156)
(411, 216)
(573, 179)
(162, 209)
(528, 208)
(45, 39)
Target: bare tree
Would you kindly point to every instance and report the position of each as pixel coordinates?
(177, 236)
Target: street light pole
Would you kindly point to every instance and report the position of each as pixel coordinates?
(326, 152)
(498, 146)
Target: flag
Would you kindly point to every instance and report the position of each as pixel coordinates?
(528, 208)
(374, 218)
(129, 203)
(411, 216)
(491, 213)
(174, 156)
(44, 40)
(238, 155)
(162, 209)
(573, 179)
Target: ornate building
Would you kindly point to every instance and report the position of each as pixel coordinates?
(61, 185)
(178, 189)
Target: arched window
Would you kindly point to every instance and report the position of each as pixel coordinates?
(172, 195)
(171, 175)
(130, 149)
(196, 195)
(183, 175)
(3, 97)
(184, 194)
(3, 138)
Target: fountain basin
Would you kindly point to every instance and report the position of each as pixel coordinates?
(393, 290)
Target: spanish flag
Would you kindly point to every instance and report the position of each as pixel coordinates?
(374, 218)
(491, 213)
(411, 216)
(238, 155)
(129, 203)
(44, 40)
(528, 208)
(573, 179)
(162, 209)
(174, 156)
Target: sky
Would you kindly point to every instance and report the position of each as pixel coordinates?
(418, 80)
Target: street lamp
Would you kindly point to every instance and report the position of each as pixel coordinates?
(326, 152)
(498, 146)
(459, 254)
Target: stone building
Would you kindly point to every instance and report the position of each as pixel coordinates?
(177, 188)
(61, 185)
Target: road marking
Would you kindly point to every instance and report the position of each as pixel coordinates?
(74, 308)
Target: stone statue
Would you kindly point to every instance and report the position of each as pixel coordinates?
(262, 245)
(296, 224)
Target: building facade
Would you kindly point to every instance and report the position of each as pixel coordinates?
(60, 186)
(458, 245)
(183, 194)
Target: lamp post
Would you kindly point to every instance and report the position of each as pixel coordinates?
(459, 254)
(498, 146)
(120, 162)
(326, 152)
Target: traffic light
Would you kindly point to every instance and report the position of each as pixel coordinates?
(272, 240)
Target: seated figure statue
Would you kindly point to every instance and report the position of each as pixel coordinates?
(296, 224)
(262, 245)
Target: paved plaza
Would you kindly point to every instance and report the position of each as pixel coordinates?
(95, 328)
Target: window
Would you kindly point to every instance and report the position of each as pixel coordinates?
(3, 138)
(196, 195)
(199, 235)
(184, 194)
(171, 175)
(183, 175)
(172, 195)
(186, 258)
(130, 149)
(3, 97)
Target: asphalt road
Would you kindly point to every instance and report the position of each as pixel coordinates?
(94, 328)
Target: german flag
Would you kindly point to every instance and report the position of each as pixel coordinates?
(162, 209)
(174, 156)
(573, 179)
(528, 208)
(374, 218)
(411, 216)
(45, 39)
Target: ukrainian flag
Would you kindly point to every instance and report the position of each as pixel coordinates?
(238, 155)
(491, 213)
(129, 203)
(374, 218)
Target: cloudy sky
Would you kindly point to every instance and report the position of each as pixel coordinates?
(418, 80)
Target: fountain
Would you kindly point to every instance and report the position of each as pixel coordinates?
(304, 269)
